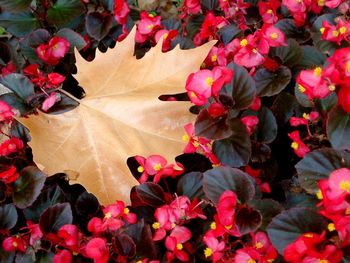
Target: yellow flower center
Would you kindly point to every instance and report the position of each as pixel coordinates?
(345, 185)
(228, 227)
(319, 194)
(269, 11)
(156, 225)
(209, 81)
(274, 36)
(165, 35)
(335, 33)
(342, 30)
(301, 88)
(322, 29)
(173, 225)
(214, 58)
(348, 66)
(243, 42)
(179, 246)
(347, 211)
(193, 95)
(321, 2)
(259, 245)
(331, 227)
(251, 261)
(323, 261)
(185, 137)
(318, 71)
(208, 252)
(213, 226)
(55, 46)
(139, 261)
(255, 50)
(308, 235)
(126, 210)
(306, 116)
(331, 87)
(14, 244)
(294, 145)
(108, 215)
(151, 26)
(140, 169)
(157, 166)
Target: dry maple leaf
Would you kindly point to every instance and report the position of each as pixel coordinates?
(120, 116)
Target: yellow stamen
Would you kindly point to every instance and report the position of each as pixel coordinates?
(150, 26)
(345, 185)
(208, 252)
(331, 227)
(156, 225)
(318, 71)
(228, 227)
(243, 42)
(335, 33)
(173, 225)
(301, 88)
(14, 244)
(331, 87)
(185, 137)
(214, 58)
(179, 246)
(347, 211)
(306, 116)
(308, 235)
(321, 2)
(139, 261)
(213, 226)
(348, 66)
(165, 35)
(157, 166)
(193, 95)
(269, 11)
(274, 36)
(322, 29)
(342, 30)
(251, 261)
(108, 215)
(319, 194)
(255, 50)
(294, 145)
(259, 245)
(323, 261)
(140, 169)
(209, 81)
(126, 210)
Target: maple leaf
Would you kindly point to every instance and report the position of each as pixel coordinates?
(120, 116)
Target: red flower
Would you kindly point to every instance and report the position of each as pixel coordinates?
(344, 98)
(183, 209)
(274, 36)
(55, 50)
(216, 57)
(339, 184)
(262, 244)
(165, 221)
(147, 26)
(209, 28)
(256, 104)
(6, 112)
(190, 7)
(54, 80)
(9, 175)
(268, 11)
(175, 243)
(299, 147)
(35, 232)
(167, 36)
(62, 256)
(70, 234)
(193, 142)
(246, 255)
(250, 122)
(14, 244)
(8, 69)
(10, 146)
(156, 165)
(121, 11)
(97, 250)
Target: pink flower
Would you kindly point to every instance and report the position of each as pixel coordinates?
(299, 147)
(97, 250)
(165, 220)
(11, 145)
(121, 11)
(62, 256)
(70, 234)
(50, 101)
(55, 50)
(246, 255)
(175, 243)
(268, 11)
(339, 183)
(35, 232)
(214, 248)
(344, 98)
(167, 36)
(147, 26)
(274, 36)
(6, 112)
(193, 142)
(190, 7)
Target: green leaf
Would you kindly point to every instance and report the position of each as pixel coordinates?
(47, 198)
(151, 194)
(241, 88)
(266, 130)
(98, 25)
(235, 150)
(311, 57)
(229, 32)
(8, 216)
(283, 107)
(290, 30)
(18, 24)
(54, 217)
(247, 220)
(64, 11)
(290, 224)
(19, 84)
(190, 185)
(15, 5)
(28, 186)
(73, 38)
(317, 165)
(290, 55)
(302, 98)
(220, 179)
(212, 128)
(338, 128)
(270, 83)
(16, 102)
